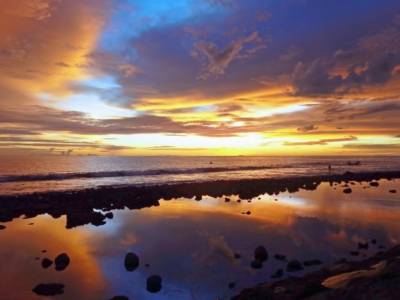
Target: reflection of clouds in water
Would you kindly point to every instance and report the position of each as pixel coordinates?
(217, 246)
(191, 244)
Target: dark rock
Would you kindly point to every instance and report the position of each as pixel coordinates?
(119, 298)
(248, 212)
(280, 257)
(347, 191)
(109, 215)
(261, 254)
(131, 262)
(198, 198)
(147, 265)
(354, 253)
(46, 263)
(256, 264)
(393, 191)
(49, 289)
(294, 266)
(237, 256)
(231, 285)
(62, 261)
(37, 258)
(154, 283)
(374, 183)
(312, 262)
(227, 199)
(373, 241)
(311, 288)
(278, 274)
(362, 245)
(2, 227)
(44, 251)
(238, 200)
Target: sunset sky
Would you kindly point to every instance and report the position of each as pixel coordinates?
(200, 77)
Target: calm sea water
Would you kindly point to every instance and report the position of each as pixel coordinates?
(24, 174)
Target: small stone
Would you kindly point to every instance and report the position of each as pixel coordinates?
(109, 215)
(62, 261)
(277, 274)
(294, 266)
(44, 251)
(237, 256)
(354, 253)
(238, 200)
(261, 254)
(347, 191)
(256, 264)
(393, 191)
(248, 212)
(154, 283)
(46, 263)
(131, 262)
(49, 289)
(363, 245)
(231, 285)
(280, 257)
(312, 262)
(2, 227)
(373, 241)
(119, 298)
(374, 183)
(227, 199)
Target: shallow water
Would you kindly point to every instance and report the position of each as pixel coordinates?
(27, 174)
(191, 243)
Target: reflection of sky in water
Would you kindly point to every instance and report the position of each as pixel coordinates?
(190, 243)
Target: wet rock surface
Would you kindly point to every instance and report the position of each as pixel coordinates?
(131, 262)
(256, 264)
(49, 289)
(154, 283)
(377, 277)
(46, 263)
(312, 262)
(61, 262)
(294, 266)
(347, 191)
(261, 254)
(79, 206)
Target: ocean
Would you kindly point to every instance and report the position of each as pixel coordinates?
(27, 174)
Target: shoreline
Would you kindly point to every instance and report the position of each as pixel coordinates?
(79, 205)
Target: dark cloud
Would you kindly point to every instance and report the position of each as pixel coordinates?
(216, 61)
(308, 128)
(373, 146)
(321, 142)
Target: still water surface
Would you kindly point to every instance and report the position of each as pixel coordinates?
(191, 243)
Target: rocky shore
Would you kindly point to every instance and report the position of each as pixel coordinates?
(375, 278)
(93, 206)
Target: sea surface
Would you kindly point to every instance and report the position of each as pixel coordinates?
(27, 174)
